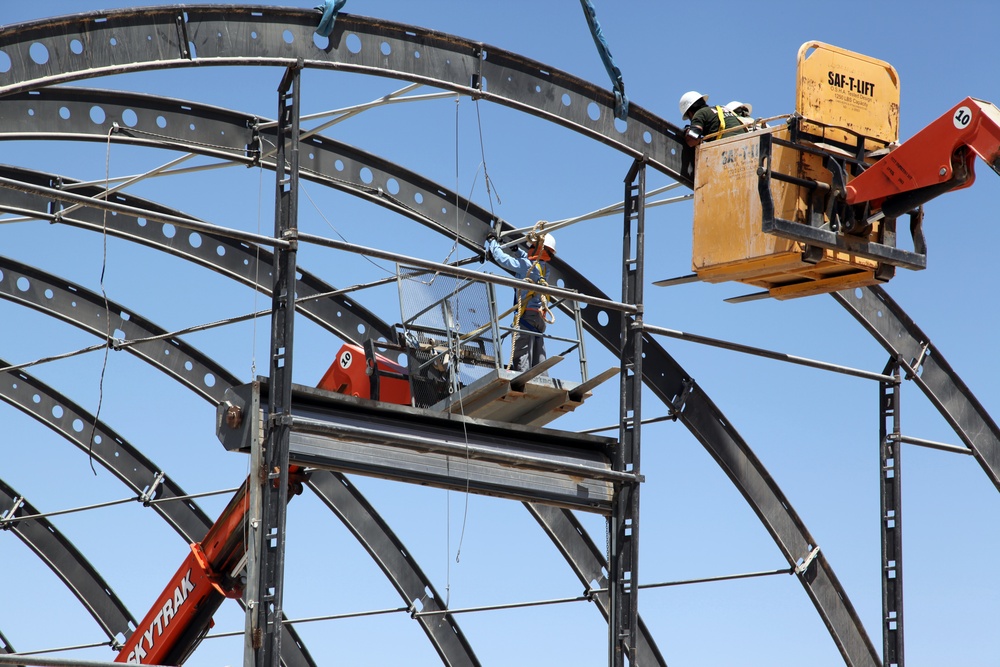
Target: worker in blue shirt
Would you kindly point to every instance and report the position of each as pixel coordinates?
(531, 308)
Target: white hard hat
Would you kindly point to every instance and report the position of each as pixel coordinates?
(688, 99)
(549, 243)
(734, 105)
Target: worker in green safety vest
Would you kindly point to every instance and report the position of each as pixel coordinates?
(707, 122)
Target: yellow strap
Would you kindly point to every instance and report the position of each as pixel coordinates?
(722, 121)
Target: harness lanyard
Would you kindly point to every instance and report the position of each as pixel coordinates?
(722, 120)
(522, 306)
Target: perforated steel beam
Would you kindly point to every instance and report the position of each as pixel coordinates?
(129, 40)
(924, 364)
(234, 259)
(67, 563)
(56, 411)
(57, 298)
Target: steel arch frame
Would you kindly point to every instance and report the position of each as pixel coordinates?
(130, 466)
(75, 571)
(352, 509)
(54, 296)
(136, 39)
(723, 442)
(454, 69)
(886, 321)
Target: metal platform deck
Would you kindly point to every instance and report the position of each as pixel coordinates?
(531, 398)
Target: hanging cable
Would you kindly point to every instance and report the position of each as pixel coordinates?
(335, 230)
(104, 295)
(482, 153)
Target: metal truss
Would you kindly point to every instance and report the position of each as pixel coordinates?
(130, 40)
(68, 564)
(661, 373)
(174, 36)
(924, 364)
(580, 552)
(56, 297)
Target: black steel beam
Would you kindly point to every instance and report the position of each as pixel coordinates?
(67, 563)
(891, 506)
(926, 366)
(135, 39)
(343, 433)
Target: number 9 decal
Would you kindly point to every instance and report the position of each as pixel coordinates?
(962, 117)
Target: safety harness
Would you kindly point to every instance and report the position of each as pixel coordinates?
(524, 298)
(722, 113)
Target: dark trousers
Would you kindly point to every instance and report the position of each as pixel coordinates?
(529, 346)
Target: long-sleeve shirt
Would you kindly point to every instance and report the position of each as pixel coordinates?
(520, 266)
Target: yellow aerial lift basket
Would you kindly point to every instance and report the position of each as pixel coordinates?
(768, 204)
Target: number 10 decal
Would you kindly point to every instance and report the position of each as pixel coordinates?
(962, 117)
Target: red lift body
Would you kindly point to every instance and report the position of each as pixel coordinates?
(939, 158)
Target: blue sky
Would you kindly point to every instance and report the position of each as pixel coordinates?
(816, 434)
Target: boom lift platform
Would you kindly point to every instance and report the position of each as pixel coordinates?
(811, 206)
(451, 339)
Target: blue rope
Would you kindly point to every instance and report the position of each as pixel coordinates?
(621, 101)
(330, 10)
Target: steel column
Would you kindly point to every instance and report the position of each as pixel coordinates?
(892, 531)
(265, 611)
(624, 522)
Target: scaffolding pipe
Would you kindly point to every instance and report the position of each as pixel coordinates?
(769, 354)
(448, 269)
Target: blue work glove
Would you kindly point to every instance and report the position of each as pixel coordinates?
(488, 244)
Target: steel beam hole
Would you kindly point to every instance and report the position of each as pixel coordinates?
(39, 53)
(353, 43)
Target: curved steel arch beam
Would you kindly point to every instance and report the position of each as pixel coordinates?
(67, 563)
(128, 40)
(37, 399)
(240, 261)
(77, 305)
(904, 340)
(68, 113)
(50, 407)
